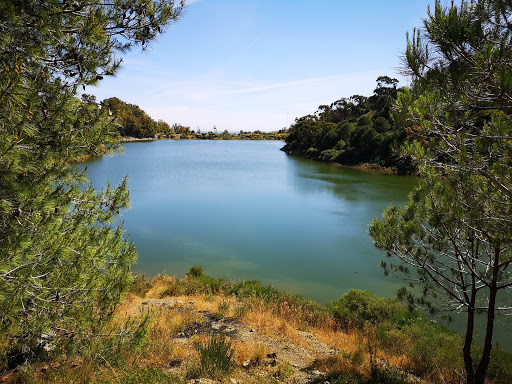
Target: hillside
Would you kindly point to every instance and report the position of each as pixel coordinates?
(204, 330)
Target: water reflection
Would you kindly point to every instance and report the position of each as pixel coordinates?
(247, 210)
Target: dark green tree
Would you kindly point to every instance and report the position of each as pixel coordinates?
(454, 237)
(131, 120)
(352, 131)
(63, 263)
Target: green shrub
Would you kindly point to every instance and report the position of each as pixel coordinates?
(253, 288)
(222, 310)
(215, 357)
(433, 346)
(500, 367)
(195, 271)
(330, 154)
(147, 375)
(140, 284)
(196, 283)
(359, 307)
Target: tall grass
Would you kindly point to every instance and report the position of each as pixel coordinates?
(216, 358)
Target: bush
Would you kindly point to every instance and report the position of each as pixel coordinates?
(253, 288)
(359, 307)
(500, 367)
(433, 346)
(195, 271)
(147, 375)
(215, 357)
(330, 154)
(222, 310)
(140, 284)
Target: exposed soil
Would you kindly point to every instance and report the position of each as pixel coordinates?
(286, 361)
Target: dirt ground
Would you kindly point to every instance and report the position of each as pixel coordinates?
(281, 359)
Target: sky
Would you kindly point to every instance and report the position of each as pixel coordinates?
(259, 64)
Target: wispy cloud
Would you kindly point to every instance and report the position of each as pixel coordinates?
(287, 84)
(212, 99)
(217, 86)
(254, 41)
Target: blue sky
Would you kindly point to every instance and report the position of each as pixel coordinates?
(259, 64)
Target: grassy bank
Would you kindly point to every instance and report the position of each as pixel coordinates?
(200, 327)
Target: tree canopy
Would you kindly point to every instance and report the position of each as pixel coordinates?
(132, 121)
(63, 262)
(454, 237)
(352, 131)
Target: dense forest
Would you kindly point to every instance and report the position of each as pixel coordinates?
(353, 130)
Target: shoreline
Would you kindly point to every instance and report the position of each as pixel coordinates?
(367, 167)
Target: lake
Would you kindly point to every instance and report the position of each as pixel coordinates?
(246, 210)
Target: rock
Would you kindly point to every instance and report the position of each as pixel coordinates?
(233, 381)
(246, 363)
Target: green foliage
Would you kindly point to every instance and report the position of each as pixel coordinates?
(222, 309)
(216, 357)
(196, 282)
(253, 288)
(359, 308)
(196, 271)
(352, 131)
(378, 375)
(455, 233)
(500, 367)
(132, 121)
(140, 284)
(433, 345)
(64, 264)
(147, 375)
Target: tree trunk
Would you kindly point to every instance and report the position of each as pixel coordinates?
(481, 371)
(468, 339)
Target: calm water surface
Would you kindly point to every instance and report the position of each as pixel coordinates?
(246, 210)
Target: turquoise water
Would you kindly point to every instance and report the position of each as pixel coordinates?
(246, 210)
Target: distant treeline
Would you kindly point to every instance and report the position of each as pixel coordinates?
(353, 131)
(132, 121)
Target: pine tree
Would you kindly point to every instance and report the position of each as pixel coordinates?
(454, 237)
(63, 262)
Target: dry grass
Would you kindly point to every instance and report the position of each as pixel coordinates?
(160, 285)
(250, 351)
(275, 321)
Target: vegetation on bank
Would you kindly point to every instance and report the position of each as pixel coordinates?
(374, 339)
(453, 240)
(353, 131)
(131, 121)
(64, 262)
(65, 267)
